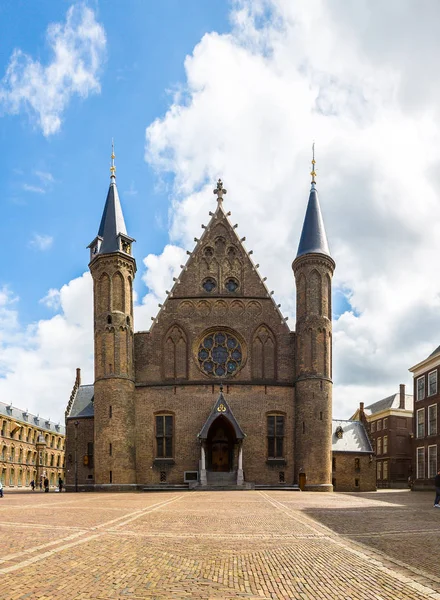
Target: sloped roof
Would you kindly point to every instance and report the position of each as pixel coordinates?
(354, 437)
(83, 402)
(388, 403)
(436, 351)
(313, 237)
(23, 416)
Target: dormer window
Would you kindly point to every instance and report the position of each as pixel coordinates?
(339, 432)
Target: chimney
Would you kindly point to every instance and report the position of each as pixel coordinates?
(78, 377)
(402, 395)
(361, 410)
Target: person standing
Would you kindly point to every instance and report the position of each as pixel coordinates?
(46, 484)
(32, 484)
(60, 484)
(1, 490)
(437, 489)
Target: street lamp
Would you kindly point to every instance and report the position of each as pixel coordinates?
(76, 423)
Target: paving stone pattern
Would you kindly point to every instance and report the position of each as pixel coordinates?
(219, 545)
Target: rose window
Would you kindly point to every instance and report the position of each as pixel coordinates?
(220, 354)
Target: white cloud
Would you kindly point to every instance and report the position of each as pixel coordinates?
(52, 299)
(33, 188)
(255, 98)
(41, 242)
(37, 363)
(45, 177)
(44, 91)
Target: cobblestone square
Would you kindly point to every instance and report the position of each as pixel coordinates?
(219, 545)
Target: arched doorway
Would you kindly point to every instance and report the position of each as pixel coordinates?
(220, 445)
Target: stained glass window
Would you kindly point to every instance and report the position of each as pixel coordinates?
(220, 354)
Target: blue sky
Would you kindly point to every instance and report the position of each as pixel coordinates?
(192, 91)
(55, 186)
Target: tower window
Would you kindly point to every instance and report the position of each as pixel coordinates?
(110, 449)
(111, 477)
(128, 321)
(109, 320)
(164, 436)
(275, 436)
(110, 411)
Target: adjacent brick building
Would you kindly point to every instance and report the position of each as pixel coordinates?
(353, 465)
(426, 431)
(389, 423)
(31, 448)
(157, 412)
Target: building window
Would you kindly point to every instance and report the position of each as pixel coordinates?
(4, 429)
(110, 411)
(90, 454)
(333, 464)
(432, 461)
(110, 477)
(110, 449)
(356, 483)
(420, 463)
(209, 285)
(357, 464)
(385, 444)
(421, 423)
(379, 425)
(385, 470)
(385, 423)
(432, 419)
(432, 383)
(164, 436)
(379, 470)
(275, 436)
(373, 427)
(379, 446)
(420, 388)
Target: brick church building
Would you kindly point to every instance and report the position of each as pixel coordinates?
(219, 389)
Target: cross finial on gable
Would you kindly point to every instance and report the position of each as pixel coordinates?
(219, 190)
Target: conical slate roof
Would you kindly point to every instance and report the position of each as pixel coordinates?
(313, 237)
(112, 222)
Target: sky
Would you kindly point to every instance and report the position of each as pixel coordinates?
(193, 91)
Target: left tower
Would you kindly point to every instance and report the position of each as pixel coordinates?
(113, 270)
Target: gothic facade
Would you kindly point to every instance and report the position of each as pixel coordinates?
(219, 390)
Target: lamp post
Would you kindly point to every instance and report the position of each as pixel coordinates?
(76, 423)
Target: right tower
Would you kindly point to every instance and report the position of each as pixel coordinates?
(313, 269)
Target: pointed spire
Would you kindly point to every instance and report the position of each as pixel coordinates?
(313, 237)
(112, 234)
(220, 191)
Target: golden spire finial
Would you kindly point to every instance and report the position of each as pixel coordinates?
(113, 168)
(313, 173)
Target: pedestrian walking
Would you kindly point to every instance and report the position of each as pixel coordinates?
(46, 484)
(32, 484)
(437, 490)
(60, 484)
(1, 490)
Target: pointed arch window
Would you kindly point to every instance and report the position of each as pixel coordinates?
(175, 363)
(263, 354)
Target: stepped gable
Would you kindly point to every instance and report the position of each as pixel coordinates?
(220, 262)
